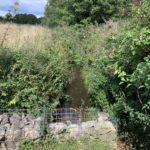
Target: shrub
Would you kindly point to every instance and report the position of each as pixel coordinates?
(131, 92)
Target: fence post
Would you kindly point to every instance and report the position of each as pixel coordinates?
(44, 123)
(80, 121)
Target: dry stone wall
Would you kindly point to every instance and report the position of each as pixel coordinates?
(15, 128)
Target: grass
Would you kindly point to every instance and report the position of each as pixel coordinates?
(17, 37)
(88, 42)
(72, 144)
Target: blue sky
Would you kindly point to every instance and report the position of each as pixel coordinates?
(26, 6)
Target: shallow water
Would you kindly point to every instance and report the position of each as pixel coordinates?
(77, 92)
(78, 99)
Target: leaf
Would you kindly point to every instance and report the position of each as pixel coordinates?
(121, 83)
(4, 94)
(129, 85)
(13, 101)
(142, 86)
(123, 79)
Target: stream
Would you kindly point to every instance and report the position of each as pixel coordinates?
(77, 92)
(78, 99)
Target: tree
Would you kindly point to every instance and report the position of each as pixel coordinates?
(25, 19)
(40, 20)
(8, 17)
(1, 19)
(60, 12)
(32, 19)
(56, 12)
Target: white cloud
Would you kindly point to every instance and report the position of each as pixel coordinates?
(34, 6)
(33, 2)
(3, 13)
(26, 6)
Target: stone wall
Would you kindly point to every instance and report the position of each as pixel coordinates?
(15, 128)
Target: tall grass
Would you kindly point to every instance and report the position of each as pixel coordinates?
(72, 144)
(25, 36)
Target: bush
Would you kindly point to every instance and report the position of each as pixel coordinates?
(131, 82)
(31, 81)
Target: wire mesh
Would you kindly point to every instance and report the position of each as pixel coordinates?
(20, 125)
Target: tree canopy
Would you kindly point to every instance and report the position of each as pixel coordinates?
(70, 12)
(25, 19)
(21, 18)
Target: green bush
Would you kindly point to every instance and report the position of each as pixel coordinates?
(117, 76)
(131, 82)
(31, 81)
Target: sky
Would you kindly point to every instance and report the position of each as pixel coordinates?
(35, 7)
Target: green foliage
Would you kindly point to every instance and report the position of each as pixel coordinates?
(95, 80)
(92, 113)
(115, 67)
(21, 19)
(74, 11)
(131, 83)
(1, 19)
(25, 19)
(84, 47)
(55, 12)
(8, 17)
(32, 78)
(117, 76)
(31, 81)
(71, 144)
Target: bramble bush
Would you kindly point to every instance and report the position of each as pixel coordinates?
(131, 80)
(118, 78)
(31, 80)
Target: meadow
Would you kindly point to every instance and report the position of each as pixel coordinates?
(16, 37)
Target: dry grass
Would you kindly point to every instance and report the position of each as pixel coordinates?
(17, 37)
(30, 38)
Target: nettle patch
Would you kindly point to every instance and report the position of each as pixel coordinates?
(31, 80)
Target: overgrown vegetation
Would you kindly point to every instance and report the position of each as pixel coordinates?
(72, 144)
(32, 79)
(114, 58)
(131, 83)
(119, 80)
(36, 74)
